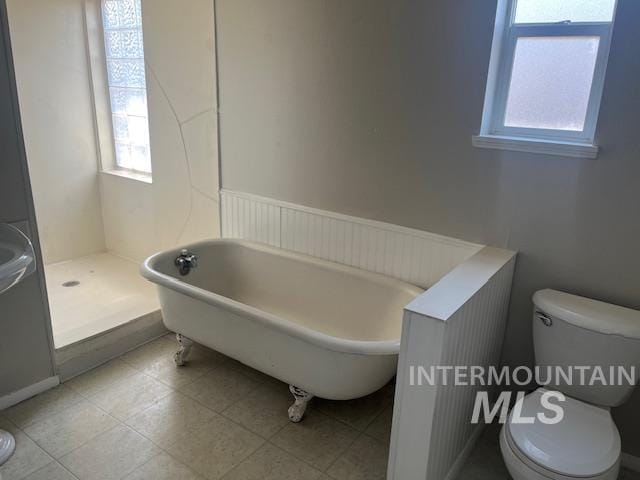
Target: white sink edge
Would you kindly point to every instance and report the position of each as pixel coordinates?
(23, 261)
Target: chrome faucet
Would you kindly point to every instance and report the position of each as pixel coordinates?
(185, 262)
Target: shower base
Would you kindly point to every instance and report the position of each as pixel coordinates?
(94, 294)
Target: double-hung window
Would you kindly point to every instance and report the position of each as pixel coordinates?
(124, 55)
(546, 75)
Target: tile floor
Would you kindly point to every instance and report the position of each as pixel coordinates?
(140, 417)
(110, 292)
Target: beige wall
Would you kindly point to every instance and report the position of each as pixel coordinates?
(367, 107)
(181, 205)
(180, 59)
(128, 216)
(57, 116)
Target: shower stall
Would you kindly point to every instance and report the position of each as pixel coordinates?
(123, 159)
(92, 285)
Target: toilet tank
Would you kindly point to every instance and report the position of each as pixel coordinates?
(571, 332)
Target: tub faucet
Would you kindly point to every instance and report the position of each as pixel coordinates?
(186, 261)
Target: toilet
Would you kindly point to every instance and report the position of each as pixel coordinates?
(574, 331)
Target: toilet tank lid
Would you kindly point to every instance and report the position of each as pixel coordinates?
(591, 314)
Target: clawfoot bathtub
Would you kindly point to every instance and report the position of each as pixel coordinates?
(326, 329)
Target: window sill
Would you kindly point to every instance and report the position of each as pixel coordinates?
(131, 175)
(547, 147)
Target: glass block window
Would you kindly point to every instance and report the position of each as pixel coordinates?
(122, 24)
(548, 69)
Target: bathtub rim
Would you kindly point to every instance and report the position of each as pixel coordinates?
(337, 344)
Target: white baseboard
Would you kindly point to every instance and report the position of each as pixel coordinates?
(28, 392)
(631, 462)
(466, 451)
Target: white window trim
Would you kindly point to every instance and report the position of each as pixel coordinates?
(143, 177)
(101, 100)
(493, 134)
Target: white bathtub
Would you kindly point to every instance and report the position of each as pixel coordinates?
(328, 329)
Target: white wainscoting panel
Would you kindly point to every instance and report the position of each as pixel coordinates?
(415, 256)
(250, 219)
(473, 336)
(460, 321)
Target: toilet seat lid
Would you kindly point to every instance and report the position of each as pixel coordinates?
(584, 443)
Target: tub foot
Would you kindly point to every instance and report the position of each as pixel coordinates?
(296, 411)
(182, 355)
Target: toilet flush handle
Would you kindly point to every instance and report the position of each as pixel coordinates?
(544, 318)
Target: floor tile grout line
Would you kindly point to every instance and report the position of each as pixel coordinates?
(131, 427)
(50, 463)
(138, 370)
(377, 440)
(133, 349)
(294, 456)
(268, 442)
(341, 454)
(178, 389)
(360, 430)
(359, 433)
(115, 384)
(67, 470)
(192, 399)
(99, 407)
(162, 451)
(339, 420)
(22, 427)
(259, 384)
(245, 459)
(136, 412)
(202, 404)
(119, 424)
(15, 434)
(276, 433)
(378, 415)
(126, 474)
(57, 459)
(118, 421)
(123, 421)
(166, 450)
(265, 440)
(79, 392)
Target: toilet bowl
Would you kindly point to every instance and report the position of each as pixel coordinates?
(585, 444)
(571, 331)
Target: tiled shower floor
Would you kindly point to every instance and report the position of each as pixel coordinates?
(140, 417)
(109, 293)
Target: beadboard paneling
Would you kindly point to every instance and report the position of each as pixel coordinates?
(473, 336)
(417, 257)
(460, 321)
(250, 219)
